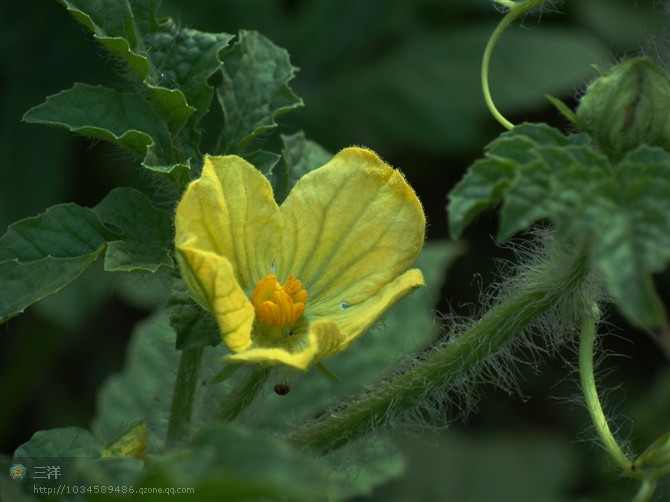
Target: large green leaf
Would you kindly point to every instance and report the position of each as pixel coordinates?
(174, 64)
(143, 390)
(63, 231)
(23, 284)
(75, 454)
(99, 112)
(621, 210)
(254, 90)
(158, 122)
(65, 442)
(236, 463)
(41, 255)
(147, 232)
(61, 451)
(632, 232)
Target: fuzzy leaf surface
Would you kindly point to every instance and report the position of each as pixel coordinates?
(622, 209)
(172, 65)
(255, 90)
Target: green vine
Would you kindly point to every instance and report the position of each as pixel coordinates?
(559, 280)
(516, 9)
(586, 343)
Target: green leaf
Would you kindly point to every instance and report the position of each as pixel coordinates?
(483, 186)
(522, 464)
(519, 167)
(254, 90)
(563, 109)
(173, 63)
(147, 232)
(268, 164)
(621, 210)
(243, 464)
(195, 327)
(125, 119)
(23, 284)
(142, 391)
(41, 255)
(76, 453)
(633, 233)
(65, 442)
(119, 29)
(173, 66)
(378, 461)
(63, 231)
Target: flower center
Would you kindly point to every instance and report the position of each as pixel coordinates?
(278, 304)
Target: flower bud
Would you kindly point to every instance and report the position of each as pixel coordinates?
(626, 107)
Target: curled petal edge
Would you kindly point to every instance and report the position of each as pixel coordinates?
(323, 339)
(212, 279)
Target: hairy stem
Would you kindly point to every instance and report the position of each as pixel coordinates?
(588, 382)
(516, 9)
(184, 394)
(556, 281)
(244, 394)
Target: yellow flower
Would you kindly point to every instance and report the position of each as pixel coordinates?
(296, 283)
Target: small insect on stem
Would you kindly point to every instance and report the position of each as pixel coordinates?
(282, 388)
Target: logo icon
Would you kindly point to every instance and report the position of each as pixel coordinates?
(17, 471)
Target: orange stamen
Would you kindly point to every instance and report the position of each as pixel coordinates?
(278, 304)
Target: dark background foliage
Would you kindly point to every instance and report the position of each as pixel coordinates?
(401, 78)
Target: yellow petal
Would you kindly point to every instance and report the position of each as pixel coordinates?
(230, 211)
(355, 319)
(212, 278)
(322, 340)
(351, 227)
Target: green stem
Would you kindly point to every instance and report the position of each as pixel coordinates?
(588, 382)
(184, 394)
(555, 282)
(646, 490)
(516, 9)
(244, 394)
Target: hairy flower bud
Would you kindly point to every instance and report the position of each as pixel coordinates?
(626, 107)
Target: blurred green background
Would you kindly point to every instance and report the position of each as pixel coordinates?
(402, 78)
